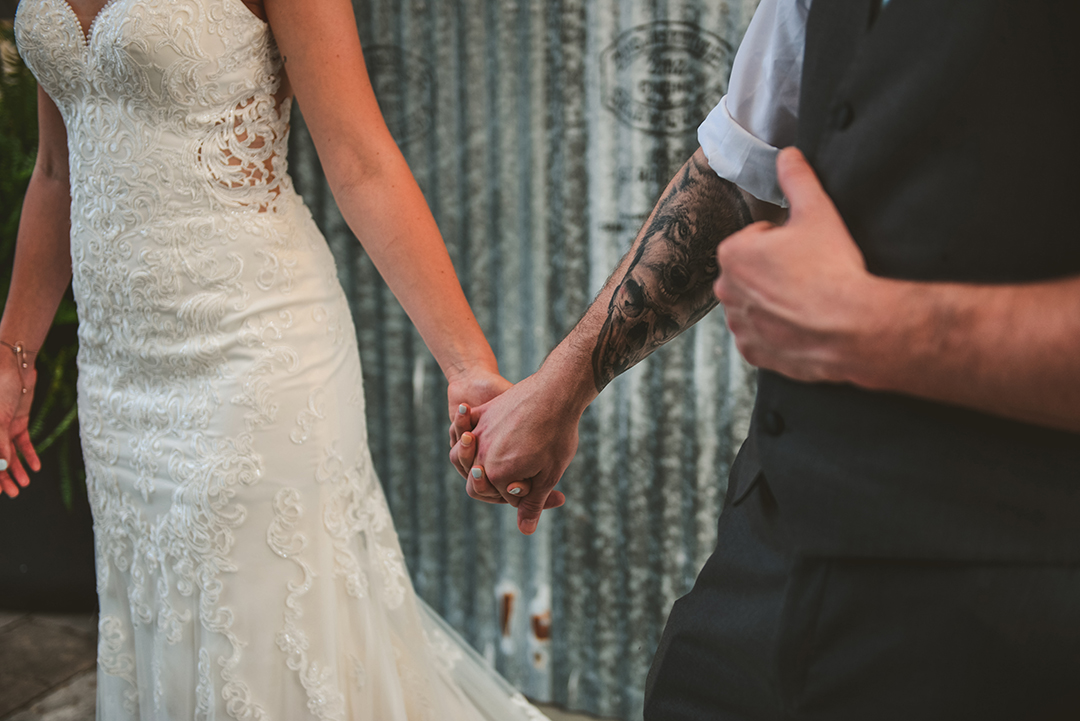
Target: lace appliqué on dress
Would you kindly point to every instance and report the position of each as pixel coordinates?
(114, 661)
(324, 700)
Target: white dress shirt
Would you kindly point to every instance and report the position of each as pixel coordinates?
(759, 114)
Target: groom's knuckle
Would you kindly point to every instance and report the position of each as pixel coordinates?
(722, 289)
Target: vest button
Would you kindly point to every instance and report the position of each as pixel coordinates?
(773, 423)
(843, 116)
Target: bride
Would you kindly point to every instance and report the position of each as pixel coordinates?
(247, 566)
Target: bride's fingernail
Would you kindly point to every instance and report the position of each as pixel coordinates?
(477, 473)
(466, 439)
(463, 409)
(514, 491)
(3, 465)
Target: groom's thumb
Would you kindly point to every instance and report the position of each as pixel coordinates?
(529, 511)
(800, 184)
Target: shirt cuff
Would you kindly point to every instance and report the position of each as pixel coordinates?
(740, 157)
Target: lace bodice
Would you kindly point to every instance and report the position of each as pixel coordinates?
(177, 150)
(169, 105)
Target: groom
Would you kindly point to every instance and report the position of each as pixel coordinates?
(901, 536)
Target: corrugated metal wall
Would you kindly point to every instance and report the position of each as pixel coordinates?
(542, 132)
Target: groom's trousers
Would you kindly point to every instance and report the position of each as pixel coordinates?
(767, 634)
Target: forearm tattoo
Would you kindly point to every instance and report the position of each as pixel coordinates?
(668, 286)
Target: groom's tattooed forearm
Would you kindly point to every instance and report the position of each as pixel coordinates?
(668, 285)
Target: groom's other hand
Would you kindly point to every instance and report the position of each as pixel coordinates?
(801, 302)
(798, 297)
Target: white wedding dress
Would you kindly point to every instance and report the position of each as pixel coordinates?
(247, 565)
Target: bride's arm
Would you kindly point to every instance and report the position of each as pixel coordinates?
(372, 184)
(39, 277)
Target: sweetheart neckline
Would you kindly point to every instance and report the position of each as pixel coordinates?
(87, 34)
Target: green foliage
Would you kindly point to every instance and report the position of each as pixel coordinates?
(52, 424)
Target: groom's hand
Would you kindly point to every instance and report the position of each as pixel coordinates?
(798, 297)
(463, 458)
(523, 439)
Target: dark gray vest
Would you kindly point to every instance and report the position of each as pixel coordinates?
(943, 131)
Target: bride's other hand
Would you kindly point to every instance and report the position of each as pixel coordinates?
(14, 431)
(39, 277)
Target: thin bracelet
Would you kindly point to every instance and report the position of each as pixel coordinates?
(20, 358)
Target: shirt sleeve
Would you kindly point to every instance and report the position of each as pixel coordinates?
(759, 114)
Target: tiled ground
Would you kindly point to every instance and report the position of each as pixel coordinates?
(46, 665)
(47, 668)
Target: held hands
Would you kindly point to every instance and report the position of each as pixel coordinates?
(525, 441)
(14, 433)
(475, 386)
(798, 297)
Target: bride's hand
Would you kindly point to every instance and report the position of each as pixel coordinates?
(14, 430)
(470, 388)
(464, 391)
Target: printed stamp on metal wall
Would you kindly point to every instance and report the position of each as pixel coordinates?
(404, 85)
(664, 77)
